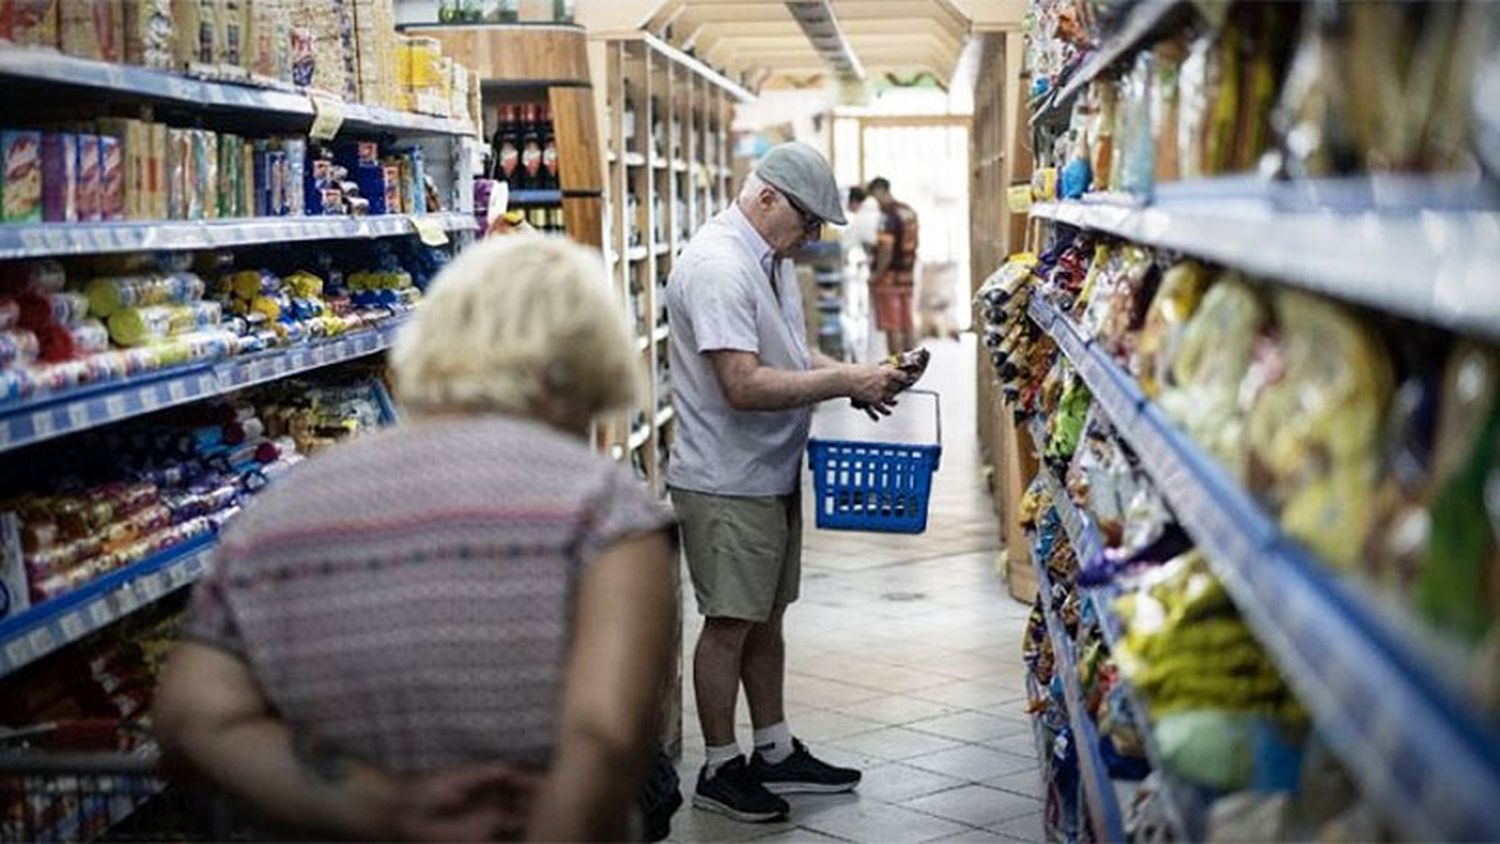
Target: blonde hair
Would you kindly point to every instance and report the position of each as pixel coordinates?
(513, 318)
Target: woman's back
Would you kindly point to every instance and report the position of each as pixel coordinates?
(405, 599)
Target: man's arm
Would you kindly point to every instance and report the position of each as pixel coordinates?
(822, 361)
(749, 385)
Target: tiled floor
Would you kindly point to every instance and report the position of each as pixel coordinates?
(904, 660)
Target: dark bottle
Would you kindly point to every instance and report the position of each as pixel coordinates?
(507, 147)
(550, 178)
(531, 149)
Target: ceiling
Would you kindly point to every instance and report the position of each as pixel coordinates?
(764, 41)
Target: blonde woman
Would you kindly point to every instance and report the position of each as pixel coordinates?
(459, 627)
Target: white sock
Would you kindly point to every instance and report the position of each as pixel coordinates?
(717, 756)
(774, 743)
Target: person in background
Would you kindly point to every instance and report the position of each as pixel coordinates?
(892, 277)
(744, 383)
(459, 627)
(864, 220)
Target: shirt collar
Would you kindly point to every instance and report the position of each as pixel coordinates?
(759, 249)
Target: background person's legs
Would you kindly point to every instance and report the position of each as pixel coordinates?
(717, 666)
(763, 671)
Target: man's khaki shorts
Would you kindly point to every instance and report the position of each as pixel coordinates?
(744, 553)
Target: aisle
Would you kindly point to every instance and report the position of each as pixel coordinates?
(904, 660)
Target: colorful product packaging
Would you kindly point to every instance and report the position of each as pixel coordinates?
(60, 177)
(295, 150)
(156, 206)
(150, 36)
(177, 164)
(134, 142)
(14, 594)
(111, 178)
(89, 181)
(197, 33)
(92, 29)
(29, 23)
(231, 25)
(21, 163)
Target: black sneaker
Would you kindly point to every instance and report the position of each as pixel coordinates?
(802, 773)
(734, 793)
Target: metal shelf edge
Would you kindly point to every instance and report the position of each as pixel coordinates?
(52, 625)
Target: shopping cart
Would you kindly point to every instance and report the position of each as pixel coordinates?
(875, 486)
(49, 795)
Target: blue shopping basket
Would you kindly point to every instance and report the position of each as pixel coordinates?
(875, 486)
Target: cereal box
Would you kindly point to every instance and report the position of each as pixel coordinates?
(88, 178)
(29, 23)
(59, 177)
(111, 178)
(21, 154)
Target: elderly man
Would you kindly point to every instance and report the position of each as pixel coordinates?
(744, 383)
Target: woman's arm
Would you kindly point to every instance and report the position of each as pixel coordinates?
(625, 614)
(210, 711)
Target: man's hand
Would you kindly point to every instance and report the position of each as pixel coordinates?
(487, 801)
(873, 388)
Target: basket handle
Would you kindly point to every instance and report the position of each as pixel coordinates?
(937, 409)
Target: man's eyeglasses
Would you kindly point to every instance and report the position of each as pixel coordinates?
(810, 222)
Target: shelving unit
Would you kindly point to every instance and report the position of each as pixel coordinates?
(1098, 790)
(540, 64)
(1401, 729)
(48, 628)
(1185, 809)
(1141, 20)
(1379, 246)
(661, 186)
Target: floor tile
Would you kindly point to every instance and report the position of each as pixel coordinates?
(896, 782)
(1020, 743)
(1024, 828)
(883, 823)
(975, 805)
(969, 726)
(691, 824)
(974, 836)
(1027, 782)
(971, 694)
(972, 763)
(826, 725)
(804, 836)
(898, 709)
(896, 743)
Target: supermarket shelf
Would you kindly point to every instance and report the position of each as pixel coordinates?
(42, 629)
(637, 253)
(679, 166)
(659, 163)
(1427, 258)
(1187, 811)
(661, 248)
(46, 66)
(40, 240)
(45, 417)
(1142, 20)
(665, 415)
(635, 159)
(1400, 729)
(1098, 789)
(661, 333)
(643, 344)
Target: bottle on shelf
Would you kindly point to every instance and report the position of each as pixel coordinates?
(531, 149)
(549, 150)
(507, 147)
(658, 144)
(627, 119)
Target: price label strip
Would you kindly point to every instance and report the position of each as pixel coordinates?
(429, 230)
(328, 116)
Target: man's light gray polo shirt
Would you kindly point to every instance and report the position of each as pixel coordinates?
(719, 297)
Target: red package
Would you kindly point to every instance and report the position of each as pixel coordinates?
(89, 178)
(111, 178)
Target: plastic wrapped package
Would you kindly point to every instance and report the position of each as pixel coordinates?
(1130, 295)
(1101, 132)
(1314, 433)
(1210, 363)
(1166, 107)
(150, 35)
(1176, 300)
(1136, 140)
(1458, 586)
(1195, 88)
